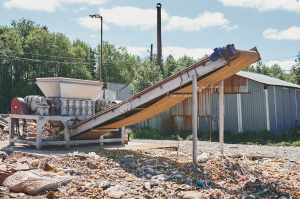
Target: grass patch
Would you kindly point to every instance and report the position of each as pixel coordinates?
(290, 137)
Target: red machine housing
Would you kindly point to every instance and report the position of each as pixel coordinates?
(52, 107)
(18, 106)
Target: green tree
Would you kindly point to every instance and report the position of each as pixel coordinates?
(147, 74)
(277, 72)
(169, 66)
(118, 65)
(250, 69)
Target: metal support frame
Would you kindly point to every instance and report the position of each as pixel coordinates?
(122, 130)
(147, 95)
(41, 121)
(67, 133)
(221, 118)
(194, 118)
(204, 87)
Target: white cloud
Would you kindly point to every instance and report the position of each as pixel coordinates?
(176, 52)
(143, 19)
(95, 36)
(265, 5)
(292, 33)
(89, 2)
(79, 9)
(204, 20)
(91, 23)
(285, 65)
(46, 5)
(139, 51)
(230, 28)
(36, 5)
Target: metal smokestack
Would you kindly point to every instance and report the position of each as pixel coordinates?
(159, 50)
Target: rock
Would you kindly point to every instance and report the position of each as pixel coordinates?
(51, 195)
(148, 176)
(191, 195)
(2, 189)
(128, 156)
(23, 159)
(22, 167)
(115, 192)
(146, 195)
(160, 178)
(3, 155)
(12, 195)
(147, 185)
(45, 166)
(149, 171)
(92, 165)
(82, 155)
(178, 176)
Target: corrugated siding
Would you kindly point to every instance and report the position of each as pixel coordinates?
(166, 125)
(230, 113)
(254, 112)
(286, 108)
(204, 124)
(215, 111)
(272, 110)
(293, 107)
(279, 108)
(122, 89)
(254, 86)
(298, 104)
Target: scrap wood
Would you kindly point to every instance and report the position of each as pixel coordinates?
(4, 174)
(35, 181)
(252, 157)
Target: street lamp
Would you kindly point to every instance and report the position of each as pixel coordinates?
(101, 18)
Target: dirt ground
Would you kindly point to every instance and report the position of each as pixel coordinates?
(142, 170)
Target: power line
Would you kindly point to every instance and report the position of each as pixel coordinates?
(71, 58)
(39, 54)
(280, 58)
(45, 61)
(63, 62)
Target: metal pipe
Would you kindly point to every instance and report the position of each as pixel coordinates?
(101, 18)
(159, 46)
(101, 80)
(221, 118)
(194, 118)
(151, 52)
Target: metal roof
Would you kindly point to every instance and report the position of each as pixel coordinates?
(266, 79)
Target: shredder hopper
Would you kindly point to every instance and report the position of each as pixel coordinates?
(59, 87)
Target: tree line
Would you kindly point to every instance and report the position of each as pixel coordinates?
(29, 51)
(276, 71)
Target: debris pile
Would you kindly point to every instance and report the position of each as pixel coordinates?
(155, 173)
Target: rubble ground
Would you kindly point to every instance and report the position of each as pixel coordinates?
(153, 173)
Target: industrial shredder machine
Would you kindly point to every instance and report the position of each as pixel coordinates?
(40, 120)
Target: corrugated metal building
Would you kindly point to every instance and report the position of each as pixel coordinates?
(123, 90)
(253, 102)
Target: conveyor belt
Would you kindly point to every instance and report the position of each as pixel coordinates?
(162, 96)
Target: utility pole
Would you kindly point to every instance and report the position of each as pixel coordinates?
(159, 46)
(151, 52)
(101, 18)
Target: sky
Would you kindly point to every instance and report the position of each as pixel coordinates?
(191, 27)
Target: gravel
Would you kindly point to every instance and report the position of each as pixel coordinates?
(283, 152)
